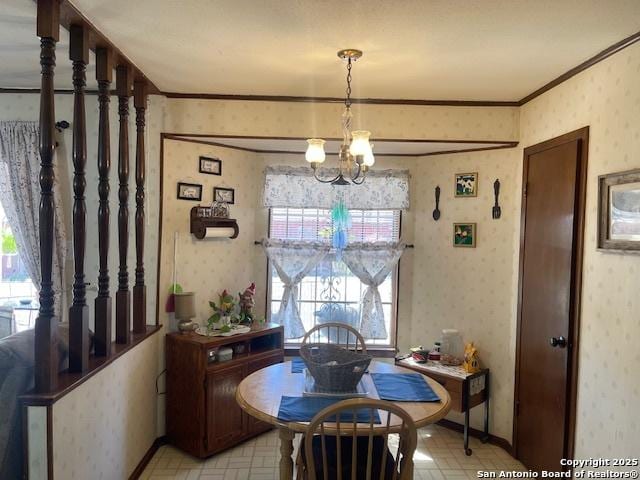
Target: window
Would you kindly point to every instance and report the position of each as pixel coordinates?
(331, 293)
(17, 292)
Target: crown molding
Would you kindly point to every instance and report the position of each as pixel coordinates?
(363, 101)
(199, 139)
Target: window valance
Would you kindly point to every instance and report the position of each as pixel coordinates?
(295, 187)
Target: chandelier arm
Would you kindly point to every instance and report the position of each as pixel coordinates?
(315, 175)
(356, 182)
(357, 175)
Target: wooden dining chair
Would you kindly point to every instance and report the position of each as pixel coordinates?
(335, 333)
(332, 449)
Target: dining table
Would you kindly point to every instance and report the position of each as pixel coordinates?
(260, 393)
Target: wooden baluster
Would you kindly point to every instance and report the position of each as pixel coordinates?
(104, 74)
(123, 296)
(140, 289)
(46, 338)
(79, 311)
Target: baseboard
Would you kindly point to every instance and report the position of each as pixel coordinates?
(494, 440)
(157, 443)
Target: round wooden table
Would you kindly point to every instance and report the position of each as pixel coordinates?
(259, 395)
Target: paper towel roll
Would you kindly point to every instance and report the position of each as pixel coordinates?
(218, 232)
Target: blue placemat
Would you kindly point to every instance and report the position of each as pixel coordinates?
(403, 387)
(297, 365)
(303, 409)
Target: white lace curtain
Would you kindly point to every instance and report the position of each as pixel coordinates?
(293, 261)
(370, 262)
(20, 198)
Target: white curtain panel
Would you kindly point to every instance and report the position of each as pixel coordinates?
(292, 261)
(372, 263)
(295, 187)
(20, 198)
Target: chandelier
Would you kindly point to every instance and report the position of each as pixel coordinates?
(356, 153)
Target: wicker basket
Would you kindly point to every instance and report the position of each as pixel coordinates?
(334, 368)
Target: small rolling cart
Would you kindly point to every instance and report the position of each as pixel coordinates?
(467, 390)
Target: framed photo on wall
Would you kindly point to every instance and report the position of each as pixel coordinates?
(619, 211)
(210, 166)
(466, 185)
(226, 195)
(189, 191)
(464, 235)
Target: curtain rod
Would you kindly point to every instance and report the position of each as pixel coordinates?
(409, 245)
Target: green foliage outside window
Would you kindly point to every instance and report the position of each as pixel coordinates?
(9, 246)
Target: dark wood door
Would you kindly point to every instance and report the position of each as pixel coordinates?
(225, 418)
(550, 262)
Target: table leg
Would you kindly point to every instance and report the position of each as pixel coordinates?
(286, 449)
(467, 450)
(485, 439)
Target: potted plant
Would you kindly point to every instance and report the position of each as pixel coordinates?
(222, 315)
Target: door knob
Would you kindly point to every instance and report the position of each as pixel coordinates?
(560, 341)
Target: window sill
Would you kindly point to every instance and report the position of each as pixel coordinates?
(68, 382)
(374, 351)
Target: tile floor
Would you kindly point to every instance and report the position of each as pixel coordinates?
(439, 456)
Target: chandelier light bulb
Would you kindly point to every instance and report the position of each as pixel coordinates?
(368, 158)
(315, 150)
(360, 143)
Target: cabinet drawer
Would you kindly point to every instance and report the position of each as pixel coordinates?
(449, 383)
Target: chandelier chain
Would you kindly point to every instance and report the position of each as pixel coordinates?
(347, 100)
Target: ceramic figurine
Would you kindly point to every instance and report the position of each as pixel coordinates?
(247, 303)
(471, 362)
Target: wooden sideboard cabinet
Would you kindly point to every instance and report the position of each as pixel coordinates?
(202, 414)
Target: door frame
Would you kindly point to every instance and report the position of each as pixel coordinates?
(582, 135)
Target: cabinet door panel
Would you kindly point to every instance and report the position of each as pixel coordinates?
(225, 418)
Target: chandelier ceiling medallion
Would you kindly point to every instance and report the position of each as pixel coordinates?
(356, 153)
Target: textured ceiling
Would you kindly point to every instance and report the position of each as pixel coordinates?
(414, 49)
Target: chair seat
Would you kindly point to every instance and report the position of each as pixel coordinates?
(346, 444)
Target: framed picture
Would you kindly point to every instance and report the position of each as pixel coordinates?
(210, 166)
(189, 191)
(466, 185)
(226, 195)
(619, 211)
(464, 235)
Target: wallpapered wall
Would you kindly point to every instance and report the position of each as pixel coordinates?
(208, 266)
(323, 120)
(104, 428)
(607, 98)
(468, 288)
